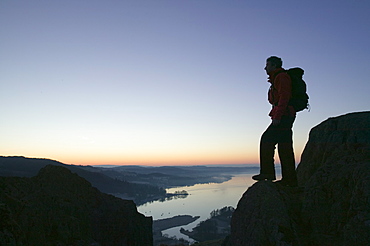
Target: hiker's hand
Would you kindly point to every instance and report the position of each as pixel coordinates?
(275, 122)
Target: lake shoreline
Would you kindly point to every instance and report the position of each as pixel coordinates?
(164, 224)
(178, 220)
(201, 201)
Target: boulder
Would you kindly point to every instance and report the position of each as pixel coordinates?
(266, 215)
(335, 171)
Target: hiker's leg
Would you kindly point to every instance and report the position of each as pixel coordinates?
(286, 155)
(286, 152)
(267, 151)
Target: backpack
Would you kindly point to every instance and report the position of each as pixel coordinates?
(299, 99)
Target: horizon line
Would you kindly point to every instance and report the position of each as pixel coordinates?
(148, 165)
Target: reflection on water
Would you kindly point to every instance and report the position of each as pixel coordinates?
(202, 199)
(170, 196)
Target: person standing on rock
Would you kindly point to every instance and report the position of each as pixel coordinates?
(279, 132)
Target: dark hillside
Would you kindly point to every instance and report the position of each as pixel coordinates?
(57, 207)
(29, 167)
(19, 166)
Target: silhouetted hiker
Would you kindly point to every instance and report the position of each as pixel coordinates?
(280, 130)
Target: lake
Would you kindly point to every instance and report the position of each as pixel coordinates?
(201, 201)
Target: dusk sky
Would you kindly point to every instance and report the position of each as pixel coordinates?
(170, 82)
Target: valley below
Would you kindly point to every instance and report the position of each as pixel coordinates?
(178, 198)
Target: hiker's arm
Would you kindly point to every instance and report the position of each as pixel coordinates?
(283, 84)
(275, 122)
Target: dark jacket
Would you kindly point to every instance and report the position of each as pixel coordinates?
(279, 94)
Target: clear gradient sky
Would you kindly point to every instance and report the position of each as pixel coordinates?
(170, 82)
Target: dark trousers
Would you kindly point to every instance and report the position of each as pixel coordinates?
(282, 136)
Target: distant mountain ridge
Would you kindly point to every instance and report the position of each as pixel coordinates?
(135, 182)
(28, 167)
(174, 176)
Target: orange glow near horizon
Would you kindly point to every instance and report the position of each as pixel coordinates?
(194, 155)
(168, 162)
(150, 161)
(153, 155)
(150, 158)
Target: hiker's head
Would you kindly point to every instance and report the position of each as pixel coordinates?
(272, 63)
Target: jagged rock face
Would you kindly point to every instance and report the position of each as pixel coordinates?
(332, 207)
(341, 139)
(335, 170)
(57, 207)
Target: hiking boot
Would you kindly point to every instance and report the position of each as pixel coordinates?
(286, 183)
(264, 177)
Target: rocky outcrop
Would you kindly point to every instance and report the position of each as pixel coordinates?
(266, 215)
(57, 207)
(335, 171)
(331, 206)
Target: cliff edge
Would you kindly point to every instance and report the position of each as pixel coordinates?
(58, 207)
(331, 206)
